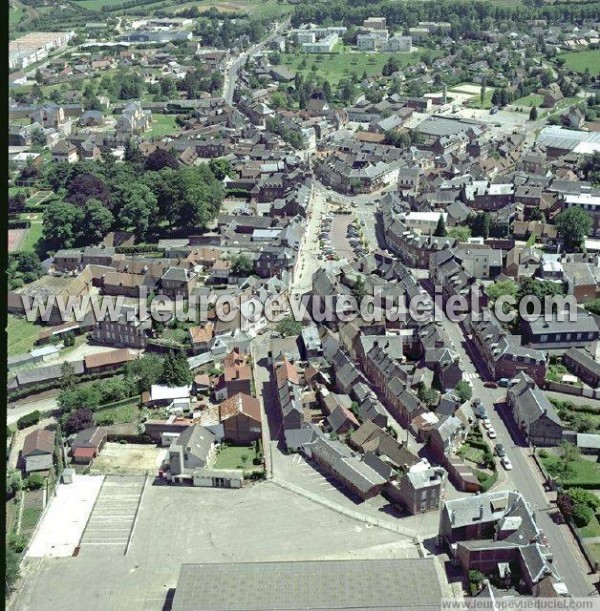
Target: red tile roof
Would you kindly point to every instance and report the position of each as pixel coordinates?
(240, 403)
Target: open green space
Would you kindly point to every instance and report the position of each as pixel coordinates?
(592, 529)
(580, 472)
(162, 125)
(21, 335)
(232, 457)
(533, 99)
(96, 5)
(335, 67)
(123, 413)
(472, 454)
(580, 60)
(34, 233)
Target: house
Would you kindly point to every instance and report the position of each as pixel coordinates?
(236, 377)
(241, 418)
(37, 452)
(133, 120)
(91, 118)
(107, 361)
(87, 444)
(49, 115)
(446, 436)
(126, 331)
(201, 336)
(583, 365)
(288, 393)
(552, 95)
(422, 488)
(575, 328)
(194, 448)
(533, 413)
(178, 282)
(338, 460)
(65, 151)
(162, 396)
(494, 533)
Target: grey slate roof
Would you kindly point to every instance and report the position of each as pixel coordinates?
(344, 585)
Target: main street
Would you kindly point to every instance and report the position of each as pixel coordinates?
(234, 64)
(525, 476)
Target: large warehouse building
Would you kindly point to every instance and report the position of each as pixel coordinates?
(316, 585)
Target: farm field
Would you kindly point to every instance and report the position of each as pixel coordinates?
(580, 60)
(335, 67)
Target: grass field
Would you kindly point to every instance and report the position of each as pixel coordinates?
(335, 67)
(21, 334)
(533, 99)
(162, 125)
(96, 5)
(580, 60)
(591, 530)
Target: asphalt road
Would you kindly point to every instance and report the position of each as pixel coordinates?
(524, 476)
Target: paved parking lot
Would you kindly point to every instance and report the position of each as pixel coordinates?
(178, 525)
(339, 241)
(112, 519)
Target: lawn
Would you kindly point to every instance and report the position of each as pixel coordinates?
(591, 530)
(580, 60)
(39, 197)
(230, 457)
(582, 471)
(335, 67)
(162, 125)
(594, 549)
(34, 233)
(533, 99)
(475, 102)
(96, 5)
(120, 414)
(475, 455)
(21, 335)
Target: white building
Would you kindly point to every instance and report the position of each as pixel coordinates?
(425, 222)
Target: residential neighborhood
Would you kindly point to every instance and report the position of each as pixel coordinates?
(303, 305)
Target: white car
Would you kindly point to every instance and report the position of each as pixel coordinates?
(506, 463)
(486, 422)
(492, 433)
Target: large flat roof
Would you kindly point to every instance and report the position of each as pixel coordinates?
(316, 585)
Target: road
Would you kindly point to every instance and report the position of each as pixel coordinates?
(26, 406)
(233, 65)
(525, 476)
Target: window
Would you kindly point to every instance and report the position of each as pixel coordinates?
(543, 338)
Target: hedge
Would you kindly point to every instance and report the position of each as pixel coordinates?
(17, 395)
(18, 224)
(29, 420)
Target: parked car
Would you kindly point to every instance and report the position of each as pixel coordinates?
(503, 382)
(506, 464)
(500, 451)
(491, 385)
(486, 423)
(492, 433)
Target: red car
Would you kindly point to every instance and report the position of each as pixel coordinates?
(491, 385)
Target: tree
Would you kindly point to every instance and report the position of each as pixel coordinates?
(67, 376)
(573, 224)
(14, 482)
(86, 186)
(483, 91)
(242, 266)
(502, 287)
(463, 391)
(61, 225)
(23, 268)
(28, 420)
(97, 222)
(132, 152)
(533, 113)
(79, 420)
(146, 370)
(176, 371)
(327, 91)
(38, 138)
(289, 327)
(136, 206)
(460, 233)
(429, 396)
(440, 230)
(582, 514)
(35, 481)
(480, 224)
(160, 159)
(220, 167)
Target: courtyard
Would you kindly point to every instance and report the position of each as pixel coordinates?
(129, 458)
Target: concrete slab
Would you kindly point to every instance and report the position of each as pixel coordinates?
(64, 522)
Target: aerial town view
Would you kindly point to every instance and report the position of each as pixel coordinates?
(303, 305)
